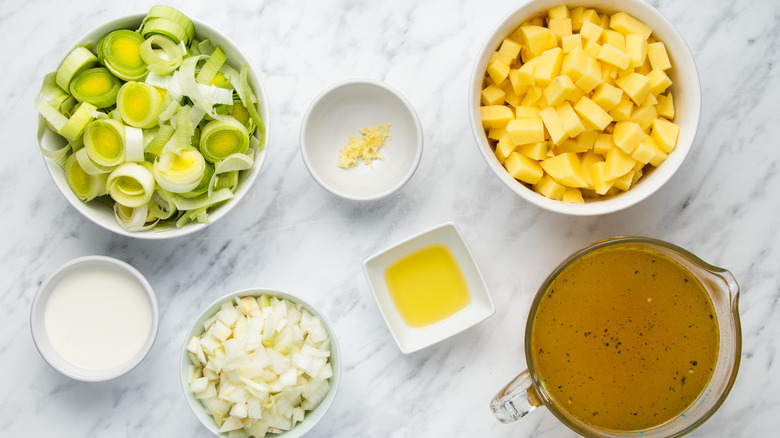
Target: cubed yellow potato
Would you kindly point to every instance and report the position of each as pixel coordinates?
(576, 18)
(586, 140)
(594, 114)
(626, 24)
(510, 48)
(656, 53)
(598, 172)
(570, 42)
(591, 78)
(627, 135)
(504, 147)
(568, 145)
(572, 195)
(618, 164)
(591, 31)
(517, 85)
(576, 95)
(496, 133)
(538, 39)
(586, 160)
(558, 90)
(537, 151)
(523, 168)
(614, 56)
(561, 27)
(525, 130)
(607, 96)
(526, 72)
(665, 134)
(659, 81)
(592, 48)
(498, 71)
(622, 111)
(635, 85)
(553, 125)
(624, 182)
(549, 66)
(492, 95)
(569, 119)
(502, 58)
(496, 116)
(531, 97)
(560, 11)
(526, 111)
(636, 47)
(575, 64)
(614, 39)
(650, 100)
(644, 151)
(591, 15)
(644, 116)
(643, 69)
(548, 187)
(666, 106)
(603, 144)
(609, 73)
(659, 157)
(510, 96)
(565, 169)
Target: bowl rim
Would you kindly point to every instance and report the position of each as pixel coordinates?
(128, 21)
(311, 166)
(637, 193)
(38, 310)
(184, 361)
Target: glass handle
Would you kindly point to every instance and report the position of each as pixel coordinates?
(516, 400)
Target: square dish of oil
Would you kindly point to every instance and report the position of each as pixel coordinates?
(428, 288)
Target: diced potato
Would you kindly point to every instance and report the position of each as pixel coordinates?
(659, 81)
(504, 147)
(607, 97)
(659, 157)
(627, 136)
(622, 111)
(618, 163)
(591, 78)
(496, 133)
(561, 27)
(526, 111)
(560, 11)
(575, 64)
(644, 151)
(665, 134)
(666, 106)
(570, 42)
(587, 139)
(636, 47)
(614, 39)
(569, 119)
(550, 188)
(526, 72)
(586, 160)
(553, 125)
(498, 71)
(558, 90)
(565, 169)
(591, 31)
(594, 114)
(603, 144)
(626, 24)
(523, 168)
(502, 58)
(549, 66)
(592, 48)
(650, 100)
(493, 95)
(572, 195)
(537, 151)
(635, 85)
(598, 172)
(568, 145)
(531, 97)
(517, 85)
(538, 39)
(643, 69)
(614, 56)
(496, 116)
(590, 15)
(656, 53)
(510, 48)
(576, 18)
(624, 182)
(526, 130)
(510, 96)
(644, 117)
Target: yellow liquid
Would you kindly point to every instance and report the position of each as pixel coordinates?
(427, 285)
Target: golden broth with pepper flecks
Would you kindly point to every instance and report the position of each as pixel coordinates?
(625, 339)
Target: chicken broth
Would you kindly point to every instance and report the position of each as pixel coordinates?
(624, 339)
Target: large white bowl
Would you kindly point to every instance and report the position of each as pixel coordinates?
(687, 101)
(312, 417)
(103, 215)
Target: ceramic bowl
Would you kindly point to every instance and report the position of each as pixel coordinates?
(104, 216)
(343, 110)
(40, 332)
(411, 339)
(312, 417)
(687, 100)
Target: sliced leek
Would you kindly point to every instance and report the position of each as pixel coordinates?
(139, 104)
(120, 52)
(170, 22)
(134, 145)
(132, 219)
(222, 138)
(131, 185)
(85, 186)
(96, 86)
(77, 123)
(104, 141)
(166, 58)
(77, 60)
(211, 67)
(180, 172)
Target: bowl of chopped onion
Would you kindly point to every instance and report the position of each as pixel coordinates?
(153, 126)
(259, 362)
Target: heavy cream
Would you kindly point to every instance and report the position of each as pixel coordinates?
(98, 317)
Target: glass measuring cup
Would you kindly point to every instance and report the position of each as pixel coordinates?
(527, 392)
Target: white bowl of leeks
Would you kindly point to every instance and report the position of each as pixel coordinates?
(187, 368)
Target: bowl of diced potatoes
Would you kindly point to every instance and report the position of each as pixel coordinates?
(585, 108)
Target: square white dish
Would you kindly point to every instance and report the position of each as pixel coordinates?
(411, 339)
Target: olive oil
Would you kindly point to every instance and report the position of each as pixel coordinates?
(625, 339)
(427, 285)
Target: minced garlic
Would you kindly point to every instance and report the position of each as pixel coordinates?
(366, 147)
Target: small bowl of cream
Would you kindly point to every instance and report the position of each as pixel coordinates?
(94, 319)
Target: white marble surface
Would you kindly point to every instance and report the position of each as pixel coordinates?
(290, 234)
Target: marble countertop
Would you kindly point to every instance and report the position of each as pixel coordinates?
(290, 234)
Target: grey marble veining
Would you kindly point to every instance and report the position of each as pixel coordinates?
(290, 234)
